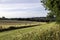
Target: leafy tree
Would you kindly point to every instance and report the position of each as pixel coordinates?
(50, 15)
(54, 7)
(3, 17)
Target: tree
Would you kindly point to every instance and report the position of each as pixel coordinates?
(50, 16)
(54, 7)
(3, 17)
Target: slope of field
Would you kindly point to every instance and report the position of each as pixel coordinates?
(41, 32)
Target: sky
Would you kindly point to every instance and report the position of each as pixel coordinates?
(22, 8)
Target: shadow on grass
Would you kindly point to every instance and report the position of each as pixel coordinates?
(14, 28)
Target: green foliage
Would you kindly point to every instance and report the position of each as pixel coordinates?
(54, 7)
(50, 15)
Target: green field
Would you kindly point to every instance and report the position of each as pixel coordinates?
(43, 31)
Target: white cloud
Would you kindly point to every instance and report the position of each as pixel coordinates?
(18, 6)
(22, 14)
(19, 1)
(6, 10)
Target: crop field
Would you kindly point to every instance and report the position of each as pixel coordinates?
(33, 31)
(4, 24)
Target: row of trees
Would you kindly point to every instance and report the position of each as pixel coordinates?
(39, 19)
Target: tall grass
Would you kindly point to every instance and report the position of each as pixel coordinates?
(52, 33)
(43, 32)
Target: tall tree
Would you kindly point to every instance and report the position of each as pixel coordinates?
(54, 7)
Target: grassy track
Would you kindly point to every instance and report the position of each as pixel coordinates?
(40, 32)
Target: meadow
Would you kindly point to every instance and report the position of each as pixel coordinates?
(43, 31)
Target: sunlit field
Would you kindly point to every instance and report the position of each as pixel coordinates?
(43, 31)
(4, 24)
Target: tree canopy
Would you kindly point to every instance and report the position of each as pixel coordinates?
(54, 7)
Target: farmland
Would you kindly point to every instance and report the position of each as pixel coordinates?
(43, 31)
(4, 24)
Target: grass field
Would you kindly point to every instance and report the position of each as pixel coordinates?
(43, 31)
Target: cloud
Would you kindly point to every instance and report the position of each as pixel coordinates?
(19, 6)
(22, 7)
(22, 10)
(22, 14)
(19, 1)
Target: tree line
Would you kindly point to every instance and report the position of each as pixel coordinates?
(38, 19)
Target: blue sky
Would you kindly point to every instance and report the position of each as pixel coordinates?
(21, 8)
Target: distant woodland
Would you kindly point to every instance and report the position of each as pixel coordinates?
(39, 19)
